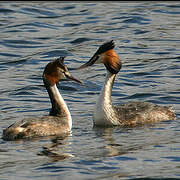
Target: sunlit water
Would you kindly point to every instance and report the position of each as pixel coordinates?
(147, 36)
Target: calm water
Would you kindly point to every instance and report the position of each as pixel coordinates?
(147, 37)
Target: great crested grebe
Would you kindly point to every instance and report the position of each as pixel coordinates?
(59, 121)
(130, 114)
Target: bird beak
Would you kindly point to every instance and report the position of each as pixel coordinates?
(90, 62)
(99, 56)
(69, 76)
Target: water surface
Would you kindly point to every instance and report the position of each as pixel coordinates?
(147, 37)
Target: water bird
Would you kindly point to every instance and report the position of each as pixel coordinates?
(59, 121)
(130, 114)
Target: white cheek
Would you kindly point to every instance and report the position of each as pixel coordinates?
(61, 75)
(100, 59)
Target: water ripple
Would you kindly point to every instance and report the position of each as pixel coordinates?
(146, 36)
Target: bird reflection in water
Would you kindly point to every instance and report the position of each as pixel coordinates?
(112, 147)
(56, 150)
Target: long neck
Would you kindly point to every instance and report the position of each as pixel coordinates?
(59, 107)
(104, 112)
(105, 95)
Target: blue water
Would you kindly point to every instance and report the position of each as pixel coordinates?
(147, 37)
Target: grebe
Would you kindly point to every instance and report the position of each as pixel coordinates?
(130, 114)
(59, 121)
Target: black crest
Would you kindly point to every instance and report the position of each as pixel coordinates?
(105, 47)
(60, 62)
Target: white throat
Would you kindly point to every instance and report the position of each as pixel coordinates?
(62, 104)
(104, 113)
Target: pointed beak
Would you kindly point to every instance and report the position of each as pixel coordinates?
(69, 76)
(90, 62)
(98, 57)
